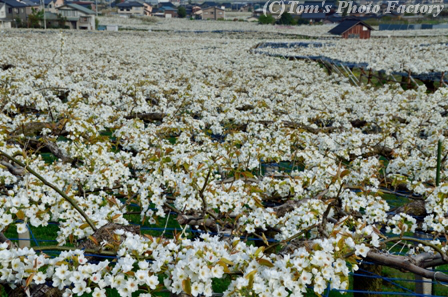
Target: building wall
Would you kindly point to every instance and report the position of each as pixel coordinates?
(132, 10)
(51, 7)
(29, 9)
(147, 9)
(5, 24)
(68, 12)
(85, 22)
(213, 13)
(14, 13)
(358, 31)
(172, 13)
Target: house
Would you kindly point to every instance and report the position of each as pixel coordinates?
(313, 17)
(166, 4)
(197, 14)
(4, 23)
(207, 4)
(53, 20)
(15, 12)
(227, 5)
(190, 9)
(134, 8)
(334, 18)
(153, 3)
(168, 11)
(78, 17)
(31, 5)
(213, 13)
(352, 28)
(195, 9)
(87, 4)
(50, 5)
(258, 12)
(319, 6)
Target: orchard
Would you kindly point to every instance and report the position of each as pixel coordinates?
(279, 178)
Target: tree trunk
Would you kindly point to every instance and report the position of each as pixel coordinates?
(367, 284)
(429, 85)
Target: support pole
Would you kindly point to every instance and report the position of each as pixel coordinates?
(439, 162)
(424, 285)
(24, 239)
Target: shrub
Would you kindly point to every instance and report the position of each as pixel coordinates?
(266, 19)
(287, 19)
(181, 12)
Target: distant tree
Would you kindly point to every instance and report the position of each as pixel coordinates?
(181, 12)
(35, 17)
(303, 22)
(286, 19)
(345, 11)
(444, 13)
(62, 19)
(268, 19)
(18, 22)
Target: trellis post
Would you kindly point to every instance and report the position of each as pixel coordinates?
(24, 239)
(424, 285)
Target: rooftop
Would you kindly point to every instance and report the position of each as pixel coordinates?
(346, 25)
(130, 4)
(80, 8)
(13, 3)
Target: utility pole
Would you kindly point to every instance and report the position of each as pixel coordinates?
(43, 8)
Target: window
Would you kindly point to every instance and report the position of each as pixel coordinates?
(353, 35)
(364, 28)
(22, 10)
(9, 10)
(16, 10)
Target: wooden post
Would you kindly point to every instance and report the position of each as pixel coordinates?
(367, 284)
(360, 75)
(423, 285)
(24, 239)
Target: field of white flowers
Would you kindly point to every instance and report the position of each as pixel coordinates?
(199, 129)
(200, 25)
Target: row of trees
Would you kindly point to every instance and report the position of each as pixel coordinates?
(285, 19)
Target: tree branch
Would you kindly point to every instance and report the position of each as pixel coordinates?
(68, 199)
(405, 263)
